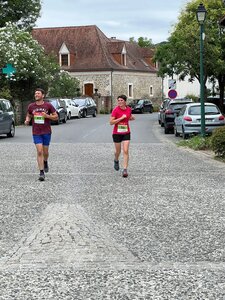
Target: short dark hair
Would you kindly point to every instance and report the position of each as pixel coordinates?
(124, 97)
(40, 90)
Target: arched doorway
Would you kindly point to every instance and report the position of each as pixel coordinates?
(88, 89)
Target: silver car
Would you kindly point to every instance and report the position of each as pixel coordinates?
(7, 118)
(189, 119)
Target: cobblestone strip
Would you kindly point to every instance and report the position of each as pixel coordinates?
(65, 235)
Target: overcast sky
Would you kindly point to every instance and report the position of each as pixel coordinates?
(115, 18)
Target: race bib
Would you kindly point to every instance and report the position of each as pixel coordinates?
(38, 118)
(122, 128)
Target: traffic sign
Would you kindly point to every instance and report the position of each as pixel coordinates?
(172, 94)
(172, 84)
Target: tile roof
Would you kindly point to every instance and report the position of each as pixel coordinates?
(92, 50)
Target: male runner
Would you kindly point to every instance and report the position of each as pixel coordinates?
(41, 113)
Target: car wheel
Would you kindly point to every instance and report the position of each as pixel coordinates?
(175, 132)
(94, 114)
(12, 131)
(166, 130)
(79, 115)
(142, 110)
(184, 135)
(84, 114)
(69, 116)
(150, 111)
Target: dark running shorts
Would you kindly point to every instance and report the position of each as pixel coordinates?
(118, 138)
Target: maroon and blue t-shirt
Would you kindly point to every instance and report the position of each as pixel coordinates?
(40, 125)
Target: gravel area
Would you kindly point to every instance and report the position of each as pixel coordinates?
(88, 233)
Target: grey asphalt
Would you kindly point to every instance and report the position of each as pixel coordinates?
(88, 233)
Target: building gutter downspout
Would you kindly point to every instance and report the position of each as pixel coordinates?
(111, 79)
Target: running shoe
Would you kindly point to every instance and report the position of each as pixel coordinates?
(41, 177)
(124, 173)
(46, 168)
(116, 165)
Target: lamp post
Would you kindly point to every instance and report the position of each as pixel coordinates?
(201, 16)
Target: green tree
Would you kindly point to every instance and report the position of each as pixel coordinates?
(164, 55)
(143, 42)
(64, 85)
(24, 13)
(33, 67)
(181, 54)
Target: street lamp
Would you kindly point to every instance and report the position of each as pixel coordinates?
(201, 16)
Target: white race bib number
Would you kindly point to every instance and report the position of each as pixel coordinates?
(39, 119)
(122, 128)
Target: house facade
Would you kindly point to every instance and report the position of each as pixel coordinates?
(105, 67)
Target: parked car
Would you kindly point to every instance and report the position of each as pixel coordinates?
(189, 119)
(170, 111)
(60, 107)
(141, 106)
(7, 118)
(72, 109)
(162, 106)
(86, 105)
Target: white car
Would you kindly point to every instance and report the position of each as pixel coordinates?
(189, 119)
(72, 110)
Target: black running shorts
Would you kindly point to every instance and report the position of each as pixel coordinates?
(118, 138)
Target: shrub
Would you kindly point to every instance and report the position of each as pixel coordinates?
(197, 143)
(218, 142)
(156, 108)
(193, 97)
(103, 111)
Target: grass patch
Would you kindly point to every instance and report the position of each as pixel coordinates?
(221, 159)
(197, 143)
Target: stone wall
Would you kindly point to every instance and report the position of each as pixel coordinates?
(114, 83)
(104, 104)
(141, 83)
(20, 109)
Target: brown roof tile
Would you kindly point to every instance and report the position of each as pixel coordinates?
(92, 49)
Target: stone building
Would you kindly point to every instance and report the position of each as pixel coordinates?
(105, 67)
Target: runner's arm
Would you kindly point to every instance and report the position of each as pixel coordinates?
(114, 121)
(53, 116)
(28, 118)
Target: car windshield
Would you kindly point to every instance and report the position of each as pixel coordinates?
(177, 106)
(53, 102)
(133, 102)
(140, 102)
(209, 110)
(79, 101)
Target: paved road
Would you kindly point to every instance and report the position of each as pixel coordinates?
(91, 130)
(88, 233)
